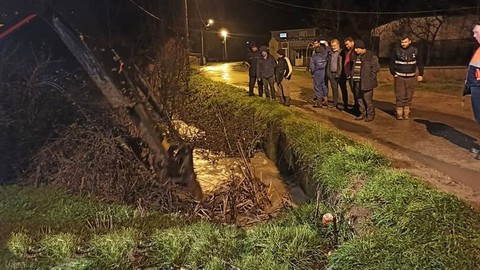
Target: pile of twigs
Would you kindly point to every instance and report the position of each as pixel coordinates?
(91, 160)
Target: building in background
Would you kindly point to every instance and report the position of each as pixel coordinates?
(295, 42)
(444, 40)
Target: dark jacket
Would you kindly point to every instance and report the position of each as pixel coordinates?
(266, 67)
(404, 62)
(369, 69)
(284, 69)
(252, 59)
(340, 61)
(347, 66)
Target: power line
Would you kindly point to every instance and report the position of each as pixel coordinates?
(155, 17)
(146, 11)
(366, 12)
(199, 13)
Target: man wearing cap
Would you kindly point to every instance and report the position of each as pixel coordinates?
(364, 75)
(283, 73)
(404, 61)
(252, 58)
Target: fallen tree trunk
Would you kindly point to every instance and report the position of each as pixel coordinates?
(176, 162)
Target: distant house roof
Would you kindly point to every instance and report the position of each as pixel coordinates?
(297, 29)
(449, 27)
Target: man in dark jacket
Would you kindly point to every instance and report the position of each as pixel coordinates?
(252, 58)
(364, 74)
(283, 74)
(403, 63)
(347, 69)
(266, 65)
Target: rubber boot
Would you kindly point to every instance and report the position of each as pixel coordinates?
(400, 113)
(406, 112)
(287, 101)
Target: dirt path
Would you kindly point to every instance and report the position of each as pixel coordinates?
(433, 145)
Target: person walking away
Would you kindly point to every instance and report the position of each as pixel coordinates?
(364, 74)
(283, 76)
(347, 68)
(404, 61)
(252, 58)
(266, 72)
(472, 83)
(318, 64)
(334, 71)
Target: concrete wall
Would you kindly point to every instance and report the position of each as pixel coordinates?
(432, 74)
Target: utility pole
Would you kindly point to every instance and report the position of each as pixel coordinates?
(187, 37)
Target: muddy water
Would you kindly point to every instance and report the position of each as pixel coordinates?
(215, 170)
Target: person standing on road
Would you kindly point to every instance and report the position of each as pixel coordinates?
(252, 59)
(318, 64)
(347, 68)
(282, 76)
(334, 71)
(404, 61)
(472, 83)
(266, 72)
(364, 74)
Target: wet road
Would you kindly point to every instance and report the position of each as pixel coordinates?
(433, 145)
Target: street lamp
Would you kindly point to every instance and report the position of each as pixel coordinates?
(224, 34)
(204, 26)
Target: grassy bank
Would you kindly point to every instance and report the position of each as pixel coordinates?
(386, 218)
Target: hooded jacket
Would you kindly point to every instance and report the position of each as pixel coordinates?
(266, 66)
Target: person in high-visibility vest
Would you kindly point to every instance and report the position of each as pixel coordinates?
(472, 83)
(404, 61)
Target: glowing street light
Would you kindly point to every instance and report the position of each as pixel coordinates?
(204, 26)
(224, 34)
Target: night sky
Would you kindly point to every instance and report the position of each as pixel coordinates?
(246, 20)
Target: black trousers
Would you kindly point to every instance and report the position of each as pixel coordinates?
(365, 100)
(251, 85)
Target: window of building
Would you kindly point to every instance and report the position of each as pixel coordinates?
(283, 35)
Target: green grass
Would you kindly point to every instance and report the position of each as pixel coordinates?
(408, 225)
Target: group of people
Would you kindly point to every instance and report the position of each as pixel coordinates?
(267, 72)
(359, 67)
(330, 64)
(334, 66)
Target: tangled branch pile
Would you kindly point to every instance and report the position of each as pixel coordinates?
(91, 160)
